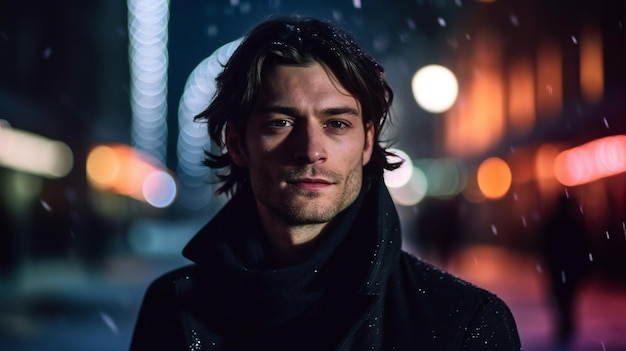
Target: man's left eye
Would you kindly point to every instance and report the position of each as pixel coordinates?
(337, 124)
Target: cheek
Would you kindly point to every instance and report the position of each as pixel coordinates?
(261, 153)
(356, 153)
(267, 147)
(352, 156)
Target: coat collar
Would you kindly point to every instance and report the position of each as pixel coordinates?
(375, 234)
(380, 216)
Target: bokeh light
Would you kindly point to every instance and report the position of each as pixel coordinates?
(544, 167)
(148, 36)
(435, 88)
(591, 161)
(159, 189)
(195, 192)
(445, 177)
(102, 166)
(130, 172)
(411, 192)
(31, 153)
(494, 177)
(591, 63)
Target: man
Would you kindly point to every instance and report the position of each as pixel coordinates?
(307, 253)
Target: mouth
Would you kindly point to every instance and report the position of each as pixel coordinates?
(310, 183)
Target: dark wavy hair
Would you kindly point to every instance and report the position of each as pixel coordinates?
(294, 41)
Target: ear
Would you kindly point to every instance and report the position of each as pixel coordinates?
(235, 146)
(368, 147)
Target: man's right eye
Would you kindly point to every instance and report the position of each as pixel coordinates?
(280, 123)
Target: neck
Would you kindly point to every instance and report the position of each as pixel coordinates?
(290, 243)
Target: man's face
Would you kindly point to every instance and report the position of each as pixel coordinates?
(305, 146)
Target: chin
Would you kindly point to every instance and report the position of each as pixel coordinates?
(309, 213)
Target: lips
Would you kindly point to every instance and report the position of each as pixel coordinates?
(310, 183)
(314, 178)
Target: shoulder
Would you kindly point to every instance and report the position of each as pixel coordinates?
(171, 283)
(158, 325)
(164, 287)
(434, 285)
(426, 277)
(447, 305)
(170, 277)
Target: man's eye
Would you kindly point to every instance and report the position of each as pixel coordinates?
(337, 124)
(280, 123)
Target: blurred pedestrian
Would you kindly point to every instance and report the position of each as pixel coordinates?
(566, 255)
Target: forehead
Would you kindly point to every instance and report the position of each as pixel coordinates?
(310, 78)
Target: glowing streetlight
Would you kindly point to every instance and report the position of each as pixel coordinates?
(435, 88)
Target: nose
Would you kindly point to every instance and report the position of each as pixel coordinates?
(309, 143)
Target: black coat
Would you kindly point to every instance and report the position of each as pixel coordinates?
(360, 293)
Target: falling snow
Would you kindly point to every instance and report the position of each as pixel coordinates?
(45, 205)
(109, 322)
(47, 53)
(212, 30)
(411, 24)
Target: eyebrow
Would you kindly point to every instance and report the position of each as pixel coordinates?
(293, 112)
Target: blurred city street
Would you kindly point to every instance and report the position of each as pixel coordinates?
(59, 307)
(519, 280)
(516, 184)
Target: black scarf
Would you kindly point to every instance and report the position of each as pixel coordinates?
(253, 301)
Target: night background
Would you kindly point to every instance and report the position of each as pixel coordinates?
(519, 186)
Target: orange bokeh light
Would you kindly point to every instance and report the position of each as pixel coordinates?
(549, 79)
(102, 166)
(591, 64)
(494, 177)
(119, 168)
